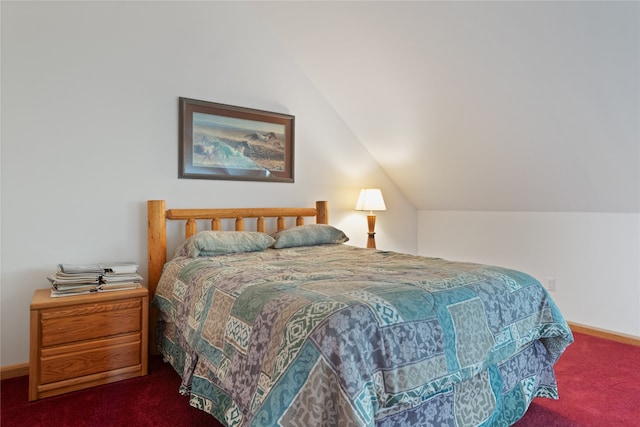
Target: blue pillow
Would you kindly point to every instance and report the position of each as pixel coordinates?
(308, 235)
(215, 243)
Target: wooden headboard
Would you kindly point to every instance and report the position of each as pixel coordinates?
(158, 215)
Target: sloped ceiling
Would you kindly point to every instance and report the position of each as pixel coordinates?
(516, 106)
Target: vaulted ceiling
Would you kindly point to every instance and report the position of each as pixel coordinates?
(521, 106)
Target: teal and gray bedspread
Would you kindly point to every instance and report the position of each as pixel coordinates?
(334, 335)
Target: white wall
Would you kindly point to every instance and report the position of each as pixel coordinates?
(594, 257)
(90, 132)
(483, 105)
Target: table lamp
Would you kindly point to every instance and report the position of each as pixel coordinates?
(371, 200)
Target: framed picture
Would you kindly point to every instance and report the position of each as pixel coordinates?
(219, 141)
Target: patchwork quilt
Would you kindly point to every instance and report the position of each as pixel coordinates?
(334, 335)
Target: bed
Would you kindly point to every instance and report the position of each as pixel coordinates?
(300, 328)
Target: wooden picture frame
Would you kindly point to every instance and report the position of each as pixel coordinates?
(219, 141)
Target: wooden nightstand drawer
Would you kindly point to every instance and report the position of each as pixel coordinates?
(86, 340)
(89, 321)
(78, 360)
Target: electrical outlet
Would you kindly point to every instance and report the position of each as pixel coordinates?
(551, 284)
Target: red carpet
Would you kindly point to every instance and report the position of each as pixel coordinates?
(152, 400)
(599, 384)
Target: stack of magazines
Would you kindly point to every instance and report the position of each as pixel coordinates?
(119, 275)
(78, 279)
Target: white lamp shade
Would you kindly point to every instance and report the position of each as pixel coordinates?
(370, 200)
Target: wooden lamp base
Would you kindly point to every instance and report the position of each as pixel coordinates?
(371, 240)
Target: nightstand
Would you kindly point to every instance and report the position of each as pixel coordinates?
(86, 340)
